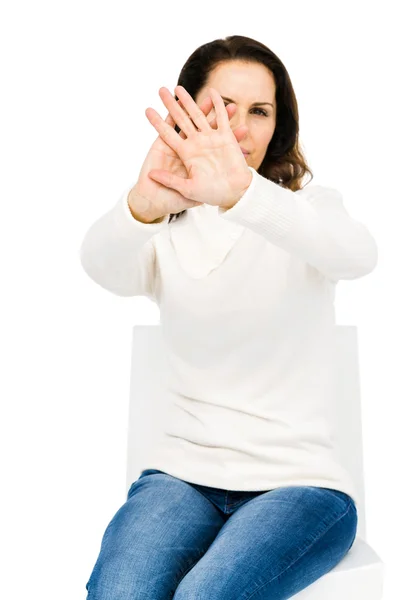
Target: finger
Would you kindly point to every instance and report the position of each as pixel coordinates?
(166, 132)
(230, 109)
(220, 111)
(171, 122)
(181, 118)
(194, 111)
(206, 106)
(181, 133)
(240, 132)
(179, 184)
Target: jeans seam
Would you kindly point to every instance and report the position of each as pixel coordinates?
(302, 554)
(201, 553)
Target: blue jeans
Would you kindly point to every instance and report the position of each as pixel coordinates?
(175, 539)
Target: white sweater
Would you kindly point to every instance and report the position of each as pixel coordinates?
(246, 300)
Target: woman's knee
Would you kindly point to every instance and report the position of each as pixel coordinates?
(154, 538)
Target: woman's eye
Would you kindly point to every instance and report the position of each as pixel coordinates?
(263, 112)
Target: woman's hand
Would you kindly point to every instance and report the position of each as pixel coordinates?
(156, 199)
(218, 173)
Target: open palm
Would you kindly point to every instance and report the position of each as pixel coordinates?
(216, 170)
(162, 157)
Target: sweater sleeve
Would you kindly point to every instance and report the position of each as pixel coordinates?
(117, 251)
(311, 223)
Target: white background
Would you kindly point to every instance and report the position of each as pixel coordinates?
(76, 79)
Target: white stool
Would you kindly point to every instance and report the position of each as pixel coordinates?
(361, 572)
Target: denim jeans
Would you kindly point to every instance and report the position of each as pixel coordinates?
(175, 539)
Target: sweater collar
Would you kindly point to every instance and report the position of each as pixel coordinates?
(202, 239)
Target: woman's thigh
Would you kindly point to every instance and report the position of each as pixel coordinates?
(153, 540)
(274, 546)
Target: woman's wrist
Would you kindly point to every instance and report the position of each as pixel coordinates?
(141, 208)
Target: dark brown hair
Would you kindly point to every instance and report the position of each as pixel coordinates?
(284, 162)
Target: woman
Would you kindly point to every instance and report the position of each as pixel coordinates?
(244, 497)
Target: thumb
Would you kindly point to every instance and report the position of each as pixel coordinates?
(179, 184)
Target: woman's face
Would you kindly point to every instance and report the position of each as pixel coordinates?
(245, 84)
